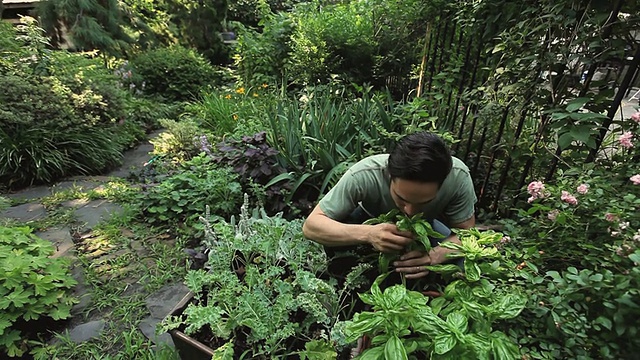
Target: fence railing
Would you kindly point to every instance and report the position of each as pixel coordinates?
(506, 136)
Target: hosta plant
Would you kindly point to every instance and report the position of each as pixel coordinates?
(32, 285)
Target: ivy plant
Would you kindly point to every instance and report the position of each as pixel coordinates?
(32, 285)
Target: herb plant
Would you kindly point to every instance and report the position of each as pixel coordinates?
(420, 227)
(406, 324)
(260, 288)
(182, 197)
(32, 286)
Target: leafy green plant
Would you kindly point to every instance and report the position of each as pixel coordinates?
(175, 73)
(179, 141)
(415, 224)
(32, 286)
(256, 163)
(319, 136)
(458, 324)
(578, 246)
(181, 198)
(260, 287)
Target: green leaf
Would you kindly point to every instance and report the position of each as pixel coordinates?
(224, 352)
(318, 350)
(564, 140)
(394, 349)
(581, 133)
(444, 343)
(576, 104)
(471, 271)
(375, 353)
(458, 321)
(503, 348)
(604, 322)
(444, 268)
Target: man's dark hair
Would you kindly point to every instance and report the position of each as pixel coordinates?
(421, 156)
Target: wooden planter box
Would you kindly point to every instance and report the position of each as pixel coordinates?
(188, 347)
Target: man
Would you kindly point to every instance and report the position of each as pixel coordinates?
(419, 175)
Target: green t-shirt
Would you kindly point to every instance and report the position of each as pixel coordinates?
(367, 184)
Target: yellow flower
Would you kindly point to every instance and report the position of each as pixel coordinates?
(228, 96)
(235, 117)
(255, 95)
(240, 91)
(264, 86)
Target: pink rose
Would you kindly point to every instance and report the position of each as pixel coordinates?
(582, 189)
(625, 139)
(635, 179)
(553, 214)
(636, 117)
(535, 187)
(610, 217)
(568, 198)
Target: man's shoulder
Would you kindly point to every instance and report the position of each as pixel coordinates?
(373, 163)
(459, 165)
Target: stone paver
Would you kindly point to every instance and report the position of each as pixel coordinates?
(159, 305)
(148, 328)
(96, 211)
(61, 239)
(162, 302)
(84, 185)
(135, 159)
(25, 212)
(88, 331)
(34, 192)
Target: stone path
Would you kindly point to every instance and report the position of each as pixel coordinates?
(79, 237)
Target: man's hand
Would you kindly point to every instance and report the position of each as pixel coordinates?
(413, 263)
(387, 238)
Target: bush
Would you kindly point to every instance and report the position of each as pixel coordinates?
(180, 140)
(32, 286)
(182, 198)
(175, 73)
(48, 131)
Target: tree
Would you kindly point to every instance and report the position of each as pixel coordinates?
(91, 24)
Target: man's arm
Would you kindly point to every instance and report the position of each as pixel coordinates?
(329, 232)
(467, 224)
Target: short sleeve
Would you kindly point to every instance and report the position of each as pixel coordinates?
(343, 198)
(462, 205)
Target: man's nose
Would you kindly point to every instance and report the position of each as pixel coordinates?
(410, 210)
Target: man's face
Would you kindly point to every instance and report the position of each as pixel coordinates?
(411, 196)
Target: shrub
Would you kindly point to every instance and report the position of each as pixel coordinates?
(49, 131)
(182, 197)
(256, 163)
(179, 141)
(580, 238)
(175, 73)
(32, 286)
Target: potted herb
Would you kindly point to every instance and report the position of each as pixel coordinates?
(260, 295)
(407, 324)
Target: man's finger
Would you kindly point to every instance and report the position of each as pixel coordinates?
(412, 255)
(411, 269)
(417, 275)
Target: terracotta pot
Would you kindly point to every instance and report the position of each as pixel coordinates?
(188, 347)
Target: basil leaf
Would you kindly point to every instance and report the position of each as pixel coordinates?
(444, 343)
(472, 271)
(394, 349)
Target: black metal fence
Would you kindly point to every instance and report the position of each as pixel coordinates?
(505, 139)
